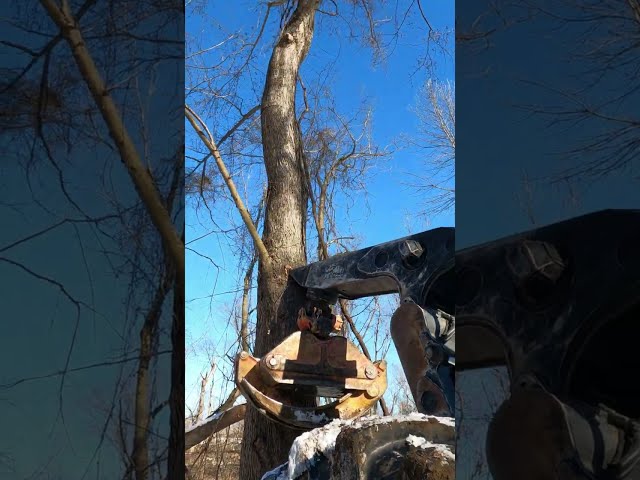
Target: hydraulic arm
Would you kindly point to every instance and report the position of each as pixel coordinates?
(317, 362)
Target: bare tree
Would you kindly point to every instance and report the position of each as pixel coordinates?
(401, 399)
(282, 245)
(284, 225)
(473, 416)
(436, 111)
(603, 104)
(204, 381)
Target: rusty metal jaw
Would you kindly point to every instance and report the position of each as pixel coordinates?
(304, 367)
(425, 341)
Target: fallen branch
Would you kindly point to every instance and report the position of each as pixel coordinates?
(203, 430)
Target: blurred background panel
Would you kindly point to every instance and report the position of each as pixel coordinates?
(548, 114)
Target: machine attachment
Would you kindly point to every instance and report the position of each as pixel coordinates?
(425, 341)
(558, 307)
(330, 367)
(317, 363)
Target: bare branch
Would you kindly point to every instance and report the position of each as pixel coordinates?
(344, 308)
(128, 153)
(196, 121)
(218, 422)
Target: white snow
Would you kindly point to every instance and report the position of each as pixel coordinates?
(310, 417)
(319, 440)
(421, 442)
(370, 420)
(323, 439)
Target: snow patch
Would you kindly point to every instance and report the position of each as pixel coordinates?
(421, 442)
(200, 423)
(373, 419)
(311, 417)
(304, 448)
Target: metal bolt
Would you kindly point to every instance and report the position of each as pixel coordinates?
(244, 355)
(373, 391)
(411, 253)
(273, 362)
(533, 257)
(411, 250)
(537, 267)
(370, 371)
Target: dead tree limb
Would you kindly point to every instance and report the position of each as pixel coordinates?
(198, 125)
(144, 184)
(200, 432)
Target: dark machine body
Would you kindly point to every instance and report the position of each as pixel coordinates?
(559, 307)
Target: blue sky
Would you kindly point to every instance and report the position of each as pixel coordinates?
(389, 210)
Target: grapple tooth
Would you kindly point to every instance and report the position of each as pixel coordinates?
(351, 405)
(303, 418)
(260, 383)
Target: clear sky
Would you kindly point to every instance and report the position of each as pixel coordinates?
(389, 210)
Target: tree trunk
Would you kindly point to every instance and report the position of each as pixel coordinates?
(148, 336)
(204, 381)
(140, 453)
(266, 444)
(244, 311)
(175, 461)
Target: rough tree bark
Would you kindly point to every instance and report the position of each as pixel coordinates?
(140, 452)
(266, 444)
(244, 310)
(175, 462)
